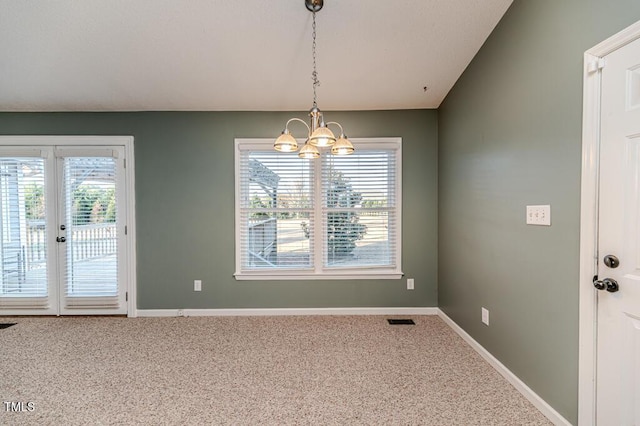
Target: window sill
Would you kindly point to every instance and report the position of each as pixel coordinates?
(259, 276)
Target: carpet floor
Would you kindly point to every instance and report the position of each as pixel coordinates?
(315, 370)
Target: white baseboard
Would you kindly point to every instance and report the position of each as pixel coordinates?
(525, 390)
(282, 312)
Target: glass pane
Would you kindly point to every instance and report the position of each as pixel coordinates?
(359, 200)
(365, 179)
(23, 251)
(278, 240)
(91, 234)
(278, 181)
(276, 198)
(359, 239)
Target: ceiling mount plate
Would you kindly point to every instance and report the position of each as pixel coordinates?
(314, 5)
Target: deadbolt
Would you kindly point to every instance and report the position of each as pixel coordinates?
(611, 261)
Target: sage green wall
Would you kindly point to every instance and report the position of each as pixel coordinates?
(510, 135)
(185, 205)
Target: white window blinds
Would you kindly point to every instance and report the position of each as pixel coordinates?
(359, 209)
(91, 232)
(329, 218)
(276, 210)
(23, 234)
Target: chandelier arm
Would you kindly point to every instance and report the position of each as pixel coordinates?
(301, 121)
(337, 124)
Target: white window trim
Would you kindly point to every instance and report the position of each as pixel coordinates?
(316, 273)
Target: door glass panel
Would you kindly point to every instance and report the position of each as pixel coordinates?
(23, 248)
(90, 229)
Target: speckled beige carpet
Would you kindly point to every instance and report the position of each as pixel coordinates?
(248, 371)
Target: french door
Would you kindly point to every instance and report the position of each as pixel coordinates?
(62, 230)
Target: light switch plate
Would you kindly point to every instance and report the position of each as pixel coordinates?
(539, 215)
(485, 316)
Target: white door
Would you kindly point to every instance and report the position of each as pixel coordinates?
(61, 214)
(618, 314)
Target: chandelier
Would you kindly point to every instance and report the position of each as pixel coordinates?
(319, 135)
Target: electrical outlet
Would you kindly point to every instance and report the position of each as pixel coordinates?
(485, 316)
(410, 284)
(197, 285)
(539, 215)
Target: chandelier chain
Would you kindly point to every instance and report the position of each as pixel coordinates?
(314, 74)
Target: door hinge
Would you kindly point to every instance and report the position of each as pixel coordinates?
(596, 65)
(124, 163)
(126, 296)
(125, 230)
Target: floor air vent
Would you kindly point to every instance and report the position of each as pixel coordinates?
(6, 325)
(401, 322)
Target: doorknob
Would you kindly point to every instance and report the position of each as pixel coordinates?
(612, 285)
(608, 284)
(61, 239)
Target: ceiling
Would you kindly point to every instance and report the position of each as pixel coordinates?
(231, 55)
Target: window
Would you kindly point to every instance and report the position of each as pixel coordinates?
(336, 217)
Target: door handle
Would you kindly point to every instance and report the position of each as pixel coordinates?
(608, 284)
(61, 239)
(612, 285)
